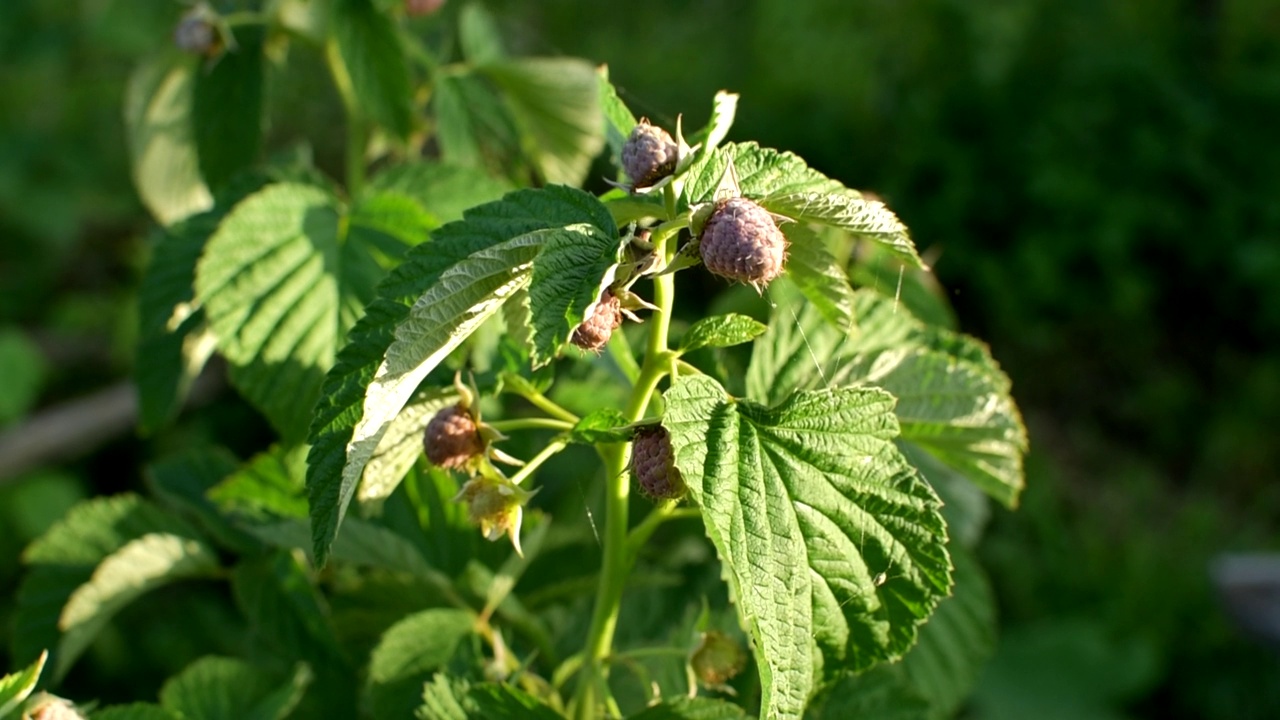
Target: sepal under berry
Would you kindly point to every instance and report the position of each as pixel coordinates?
(717, 659)
(497, 506)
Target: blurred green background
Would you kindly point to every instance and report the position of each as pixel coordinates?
(1095, 182)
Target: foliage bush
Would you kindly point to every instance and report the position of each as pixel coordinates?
(339, 574)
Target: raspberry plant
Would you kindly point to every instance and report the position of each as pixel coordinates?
(413, 332)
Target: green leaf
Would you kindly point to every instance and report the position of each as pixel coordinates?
(881, 693)
(346, 432)
(183, 481)
(65, 557)
(816, 477)
(135, 711)
(478, 34)
(391, 223)
(227, 108)
(268, 486)
(573, 267)
(16, 687)
(174, 341)
(956, 642)
(783, 184)
(692, 709)
(762, 173)
(142, 565)
(507, 702)
(443, 699)
(848, 211)
(161, 139)
(374, 59)
(724, 108)
(618, 120)
(556, 105)
(22, 371)
(819, 276)
(281, 288)
(285, 612)
(443, 190)
(219, 688)
(459, 144)
(409, 652)
(954, 400)
(602, 426)
(721, 331)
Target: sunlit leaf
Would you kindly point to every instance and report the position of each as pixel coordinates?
(830, 541)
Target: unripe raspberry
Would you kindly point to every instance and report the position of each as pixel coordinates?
(718, 658)
(742, 242)
(452, 439)
(594, 332)
(653, 464)
(648, 155)
(195, 34)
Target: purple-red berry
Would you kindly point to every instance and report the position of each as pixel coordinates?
(741, 241)
(648, 155)
(594, 332)
(417, 8)
(452, 439)
(653, 464)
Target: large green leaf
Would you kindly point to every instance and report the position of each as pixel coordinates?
(761, 172)
(782, 183)
(568, 275)
(286, 613)
(692, 709)
(161, 137)
(882, 694)
(831, 542)
(556, 105)
(142, 565)
(219, 688)
(721, 331)
(956, 642)
(135, 711)
(618, 120)
(478, 34)
(15, 687)
(174, 341)
(374, 60)
(350, 419)
(954, 400)
(409, 653)
(819, 276)
(65, 558)
(267, 487)
(281, 286)
(22, 370)
(849, 211)
(227, 108)
(443, 190)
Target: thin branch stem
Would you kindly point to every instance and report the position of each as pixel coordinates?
(546, 405)
(356, 139)
(554, 447)
(512, 425)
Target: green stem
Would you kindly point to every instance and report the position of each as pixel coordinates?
(551, 449)
(546, 405)
(356, 140)
(504, 426)
(642, 532)
(658, 361)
